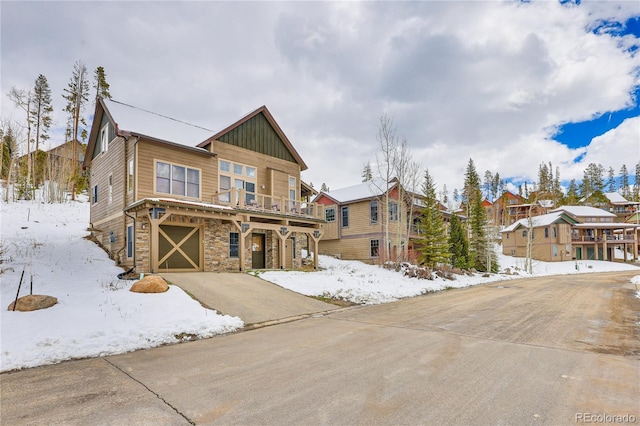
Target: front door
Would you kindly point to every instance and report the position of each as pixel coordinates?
(257, 251)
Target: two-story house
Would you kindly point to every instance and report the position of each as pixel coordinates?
(170, 196)
(571, 232)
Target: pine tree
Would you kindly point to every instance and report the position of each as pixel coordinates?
(624, 182)
(367, 174)
(433, 247)
(100, 83)
(481, 253)
(636, 184)
(324, 187)
(458, 244)
(572, 197)
(611, 181)
(41, 120)
(77, 95)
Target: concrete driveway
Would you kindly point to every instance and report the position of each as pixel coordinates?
(254, 300)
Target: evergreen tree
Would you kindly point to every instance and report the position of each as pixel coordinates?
(77, 96)
(41, 121)
(433, 247)
(444, 195)
(592, 188)
(100, 83)
(624, 182)
(636, 184)
(572, 197)
(456, 195)
(324, 187)
(367, 174)
(611, 181)
(481, 253)
(458, 244)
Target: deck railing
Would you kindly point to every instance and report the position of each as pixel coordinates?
(244, 200)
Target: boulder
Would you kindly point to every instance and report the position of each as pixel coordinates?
(33, 302)
(150, 284)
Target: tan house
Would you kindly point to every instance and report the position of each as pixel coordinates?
(571, 232)
(356, 226)
(170, 196)
(620, 206)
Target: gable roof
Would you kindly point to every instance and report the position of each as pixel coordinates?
(234, 135)
(542, 220)
(583, 211)
(362, 191)
(615, 198)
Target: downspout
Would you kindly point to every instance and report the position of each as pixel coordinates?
(124, 197)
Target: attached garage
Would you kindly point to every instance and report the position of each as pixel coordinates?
(180, 247)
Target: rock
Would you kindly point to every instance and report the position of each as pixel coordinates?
(150, 284)
(33, 302)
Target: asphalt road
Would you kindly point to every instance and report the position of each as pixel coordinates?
(553, 350)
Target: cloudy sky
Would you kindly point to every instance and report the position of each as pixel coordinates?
(500, 82)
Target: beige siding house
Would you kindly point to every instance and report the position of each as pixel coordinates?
(356, 227)
(571, 232)
(170, 196)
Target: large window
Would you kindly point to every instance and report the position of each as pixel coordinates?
(393, 211)
(330, 214)
(233, 244)
(292, 192)
(237, 176)
(374, 248)
(177, 180)
(373, 211)
(345, 217)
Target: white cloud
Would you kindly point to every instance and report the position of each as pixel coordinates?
(487, 80)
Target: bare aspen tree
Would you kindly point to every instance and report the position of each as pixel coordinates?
(388, 140)
(41, 119)
(22, 98)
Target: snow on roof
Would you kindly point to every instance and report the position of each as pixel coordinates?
(542, 220)
(584, 211)
(363, 190)
(139, 121)
(615, 198)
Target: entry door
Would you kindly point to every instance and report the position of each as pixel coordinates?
(257, 251)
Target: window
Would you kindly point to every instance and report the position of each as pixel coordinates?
(345, 217)
(292, 190)
(129, 241)
(110, 188)
(373, 211)
(243, 178)
(233, 244)
(524, 233)
(130, 176)
(554, 233)
(177, 180)
(293, 243)
(95, 194)
(555, 250)
(330, 214)
(374, 248)
(508, 235)
(104, 138)
(393, 211)
(546, 232)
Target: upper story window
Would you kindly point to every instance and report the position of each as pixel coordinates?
(177, 180)
(239, 177)
(373, 211)
(130, 176)
(330, 214)
(292, 188)
(104, 138)
(110, 189)
(393, 211)
(345, 217)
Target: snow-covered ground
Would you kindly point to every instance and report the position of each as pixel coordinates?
(97, 315)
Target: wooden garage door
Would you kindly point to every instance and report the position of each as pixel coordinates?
(179, 248)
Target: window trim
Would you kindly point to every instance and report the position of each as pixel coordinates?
(344, 223)
(249, 174)
(130, 242)
(372, 204)
(171, 180)
(236, 245)
(394, 214)
(130, 176)
(110, 186)
(371, 248)
(104, 138)
(95, 195)
(326, 214)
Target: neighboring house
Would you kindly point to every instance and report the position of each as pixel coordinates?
(355, 216)
(56, 163)
(171, 196)
(620, 206)
(571, 232)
